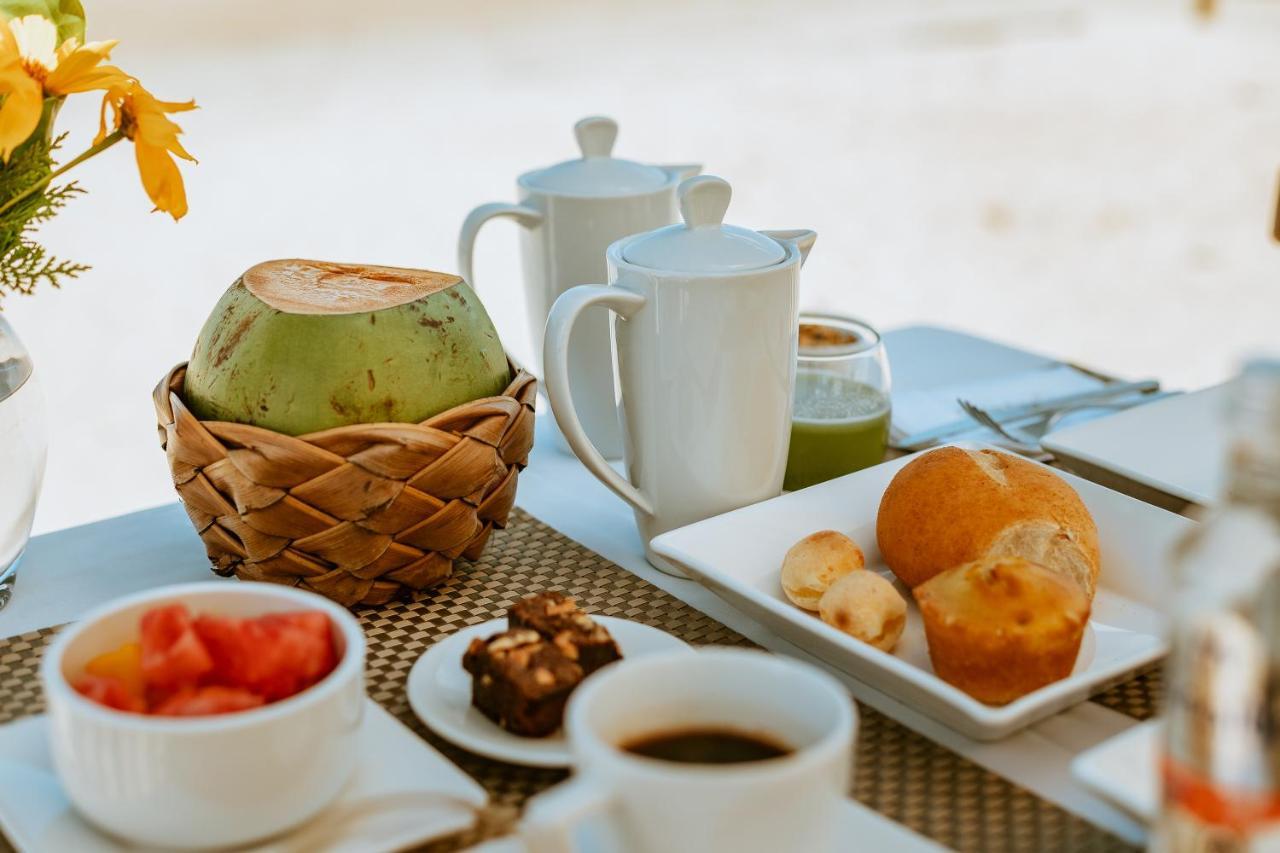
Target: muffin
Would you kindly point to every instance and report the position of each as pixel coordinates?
(952, 506)
(867, 606)
(817, 561)
(1001, 627)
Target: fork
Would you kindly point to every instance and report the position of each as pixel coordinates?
(1024, 444)
(1028, 444)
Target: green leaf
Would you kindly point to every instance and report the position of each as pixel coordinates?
(67, 15)
(24, 263)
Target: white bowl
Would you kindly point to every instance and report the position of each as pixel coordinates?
(212, 781)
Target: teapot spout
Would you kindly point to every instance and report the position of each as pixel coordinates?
(680, 171)
(802, 238)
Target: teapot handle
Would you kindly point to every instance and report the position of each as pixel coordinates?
(526, 216)
(555, 366)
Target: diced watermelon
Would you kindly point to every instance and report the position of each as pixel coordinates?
(224, 639)
(309, 640)
(276, 655)
(172, 653)
(112, 692)
(212, 664)
(201, 701)
(312, 622)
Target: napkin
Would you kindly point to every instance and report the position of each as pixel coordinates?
(403, 794)
(919, 410)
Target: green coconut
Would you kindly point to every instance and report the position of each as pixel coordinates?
(301, 346)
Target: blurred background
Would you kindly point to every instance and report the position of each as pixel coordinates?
(1092, 180)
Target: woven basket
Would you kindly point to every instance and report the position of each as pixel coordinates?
(362, 513)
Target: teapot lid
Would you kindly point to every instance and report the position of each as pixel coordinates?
(597, 173)
(704, 244)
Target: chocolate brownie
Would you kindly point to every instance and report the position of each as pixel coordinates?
(557, 618)
(521, 681)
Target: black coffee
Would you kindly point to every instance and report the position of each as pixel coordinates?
(706, 746)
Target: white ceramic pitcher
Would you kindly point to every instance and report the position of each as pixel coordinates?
(571, 212)
(705, 343)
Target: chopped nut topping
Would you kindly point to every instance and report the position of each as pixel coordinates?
(564, 642)
(513, 639)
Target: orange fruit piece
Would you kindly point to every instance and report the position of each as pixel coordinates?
(123, 664)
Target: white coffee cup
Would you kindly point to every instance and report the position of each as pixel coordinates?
(786, 803)
(705, 343)
(571, 212)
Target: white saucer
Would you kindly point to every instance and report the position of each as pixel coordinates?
(1124, 770)
(440, 693)
(403, 794)
(859, 827)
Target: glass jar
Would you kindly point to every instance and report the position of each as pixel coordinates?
(22, 453)
(1220, 762)
(840, 418)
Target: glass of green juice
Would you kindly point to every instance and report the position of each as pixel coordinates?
(840, 418)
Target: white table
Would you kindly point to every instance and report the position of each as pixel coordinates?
(65, 573)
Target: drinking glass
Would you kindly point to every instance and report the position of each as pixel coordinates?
(840, 419)
(22, 453)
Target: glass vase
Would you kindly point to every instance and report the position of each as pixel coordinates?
(22, 453)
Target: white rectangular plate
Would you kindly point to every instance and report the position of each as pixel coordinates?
(1176, 445)
(738, 555)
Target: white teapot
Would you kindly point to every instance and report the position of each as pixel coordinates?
(571, 212)
(705, 342)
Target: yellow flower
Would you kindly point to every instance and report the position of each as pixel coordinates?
(33, 66)
(141, 117)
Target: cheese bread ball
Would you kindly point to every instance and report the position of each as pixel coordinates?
(815, 563)
(867, 606)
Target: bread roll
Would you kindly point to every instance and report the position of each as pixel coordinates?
(817, 561)
(867, 606)
(1001, 627)
(952, 506)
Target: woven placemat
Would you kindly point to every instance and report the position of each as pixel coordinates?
(898, 772)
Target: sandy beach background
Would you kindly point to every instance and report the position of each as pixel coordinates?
(1091, 180)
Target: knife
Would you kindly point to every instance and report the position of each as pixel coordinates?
(1020, 412)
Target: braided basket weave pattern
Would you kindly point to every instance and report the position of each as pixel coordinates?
(362, 513)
